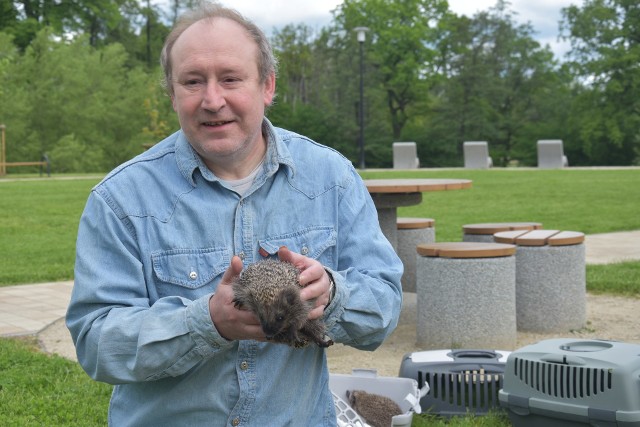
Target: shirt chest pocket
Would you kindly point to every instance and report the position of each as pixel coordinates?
(312, 242)
(187, 272)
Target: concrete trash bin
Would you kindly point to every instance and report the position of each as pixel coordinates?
(466, 295)
(550, 279)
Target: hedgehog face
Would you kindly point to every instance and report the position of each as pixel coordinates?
(283, 316)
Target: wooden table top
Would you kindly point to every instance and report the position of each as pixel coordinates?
(417, 185)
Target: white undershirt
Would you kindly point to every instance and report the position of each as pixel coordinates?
(241, 185)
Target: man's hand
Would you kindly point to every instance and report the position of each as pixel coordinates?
(313, 277)
(232, 323)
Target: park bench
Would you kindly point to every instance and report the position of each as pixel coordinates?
(3, 157)
(44, 165)
(405, 155)
(476, 155)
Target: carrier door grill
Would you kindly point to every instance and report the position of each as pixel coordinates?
(466, 391)
(563, 381)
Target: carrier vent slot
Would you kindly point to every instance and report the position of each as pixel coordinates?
(564, 381)
(473, 390)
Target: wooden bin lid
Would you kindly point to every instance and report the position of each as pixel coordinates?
(492, 228)
(539, 237)
(413, 223)
(466, 250)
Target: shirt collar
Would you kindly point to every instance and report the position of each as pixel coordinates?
(277, 151)
(188, 160)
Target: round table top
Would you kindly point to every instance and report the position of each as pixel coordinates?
(466, 250)
(495, 227)
(417, 185)
(539, 237)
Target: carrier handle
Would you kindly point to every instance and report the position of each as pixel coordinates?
(474, 354)
(563, 359)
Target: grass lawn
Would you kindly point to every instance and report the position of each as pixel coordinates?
(38, 226)
(39, 222)
(42, 390)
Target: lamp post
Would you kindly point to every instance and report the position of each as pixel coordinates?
(362, 34)
(3, 153)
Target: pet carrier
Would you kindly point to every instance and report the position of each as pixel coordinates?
(460, 381)
(568, 382)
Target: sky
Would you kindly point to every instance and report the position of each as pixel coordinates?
(544, 15)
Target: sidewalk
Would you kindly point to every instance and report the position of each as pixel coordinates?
(29, 309)
(26, 309)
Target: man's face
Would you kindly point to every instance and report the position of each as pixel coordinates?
(217, 92)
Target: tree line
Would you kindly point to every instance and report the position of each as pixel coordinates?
(79, 81)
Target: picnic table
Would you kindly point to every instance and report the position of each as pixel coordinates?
(389, 194)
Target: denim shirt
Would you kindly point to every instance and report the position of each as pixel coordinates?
(154, 240)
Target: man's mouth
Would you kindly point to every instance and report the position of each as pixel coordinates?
(217, 123)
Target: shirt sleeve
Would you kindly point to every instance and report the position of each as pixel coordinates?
(368, 298)
(119, 336)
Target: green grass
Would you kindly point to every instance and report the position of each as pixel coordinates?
(41, 390)
(38, 227)
(619, 279)
(492, 419)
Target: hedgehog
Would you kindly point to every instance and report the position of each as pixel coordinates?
(376, 410)
(270, 289)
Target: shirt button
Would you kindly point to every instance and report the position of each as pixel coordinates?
(193, 275)
(305, 250)
(244, 366)
(235, 422)
(241, 255)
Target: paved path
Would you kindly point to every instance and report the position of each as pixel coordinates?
(28, 309)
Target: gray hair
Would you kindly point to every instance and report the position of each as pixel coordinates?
(267, 63)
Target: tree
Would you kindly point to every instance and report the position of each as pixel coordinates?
(313, 98)
(70, 96)
(403, 34)
(494, 70)
(605, 53)
(294, 49)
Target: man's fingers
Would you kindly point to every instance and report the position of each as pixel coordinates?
(284, 254)
(233, 271)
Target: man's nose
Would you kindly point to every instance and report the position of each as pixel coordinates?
(213, 98)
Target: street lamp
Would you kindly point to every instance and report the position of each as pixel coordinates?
(362, 35)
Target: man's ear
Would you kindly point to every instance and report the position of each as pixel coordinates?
(269, 89)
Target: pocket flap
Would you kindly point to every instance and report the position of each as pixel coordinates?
(190, 268)
(310, 242)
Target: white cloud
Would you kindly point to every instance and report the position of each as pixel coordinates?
(544, 15)
(278, 13)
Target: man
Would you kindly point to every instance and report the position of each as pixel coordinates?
(163, 237)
